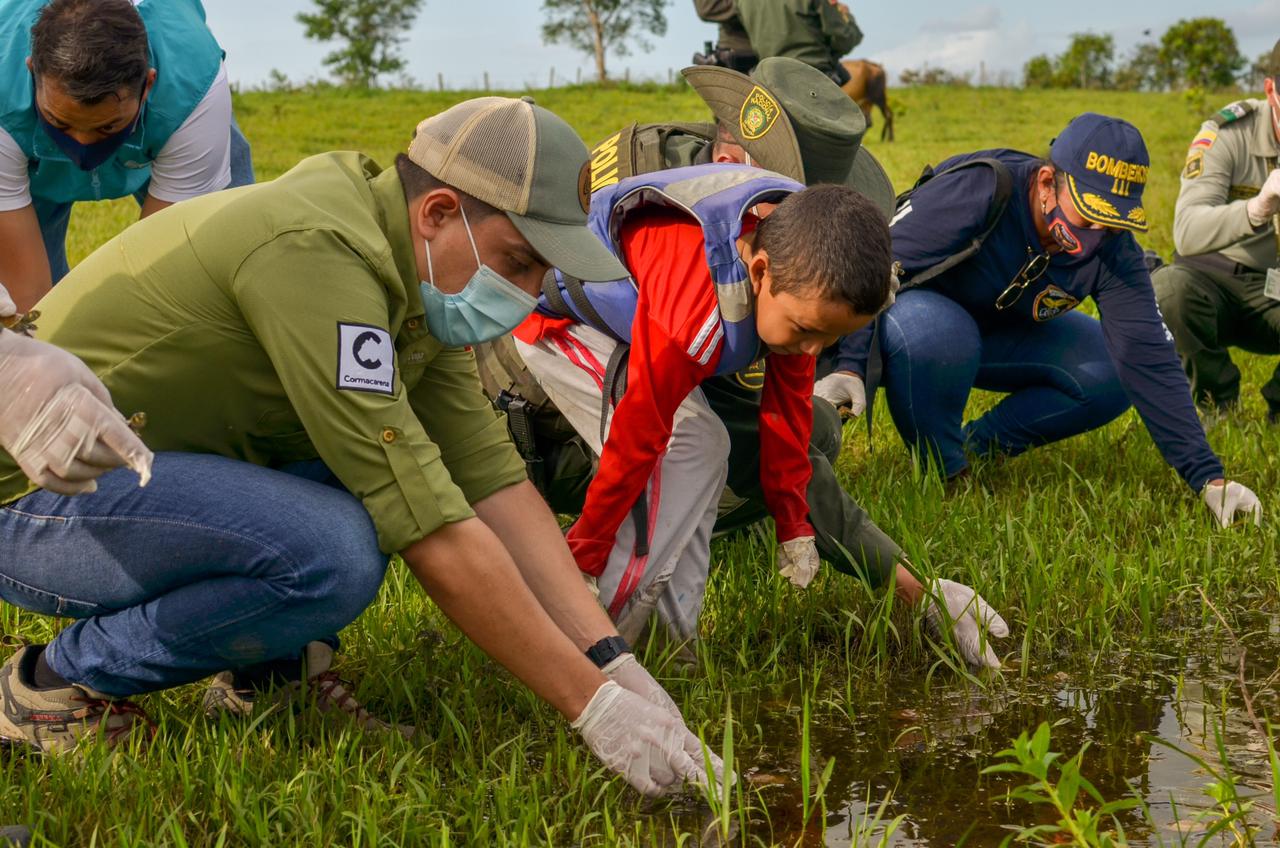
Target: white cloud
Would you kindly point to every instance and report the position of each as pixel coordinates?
(983, 18)
(980, 43)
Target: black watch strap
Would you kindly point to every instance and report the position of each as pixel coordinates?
(607, 650)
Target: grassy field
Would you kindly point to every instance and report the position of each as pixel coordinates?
(1094, 551)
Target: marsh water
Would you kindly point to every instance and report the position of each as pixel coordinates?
(924, 748)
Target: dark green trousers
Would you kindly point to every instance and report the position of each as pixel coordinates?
(846, 536)
(1209, 312)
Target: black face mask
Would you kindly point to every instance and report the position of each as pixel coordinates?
(90, 156)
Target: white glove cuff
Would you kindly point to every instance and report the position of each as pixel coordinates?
(618, 662)
(599, 701)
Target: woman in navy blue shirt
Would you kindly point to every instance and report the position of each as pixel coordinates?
(1003, 320)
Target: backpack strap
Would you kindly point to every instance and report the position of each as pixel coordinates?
(999, 203)
(995, 211)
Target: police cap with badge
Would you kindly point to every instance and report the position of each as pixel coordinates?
(792, 119)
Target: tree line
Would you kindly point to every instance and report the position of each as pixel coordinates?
(369, 33)
(1198, 53)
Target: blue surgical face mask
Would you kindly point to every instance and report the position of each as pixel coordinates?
(487, 307)
(89, 156)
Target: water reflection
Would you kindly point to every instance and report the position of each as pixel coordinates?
(925, 749)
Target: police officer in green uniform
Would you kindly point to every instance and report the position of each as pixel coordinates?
(733, 47)
(1223, 288)
(301, 349)
(788, 117)
(817, 32)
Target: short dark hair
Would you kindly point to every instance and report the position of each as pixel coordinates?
(417, 181)
(833, 239)
(93, 49)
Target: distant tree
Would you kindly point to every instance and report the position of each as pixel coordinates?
(1143, 70)
(1253, 77)
(1087, 62)
(600, 26)
(372, 31)
(925, 75)
(1038, 72)
(1201, 52)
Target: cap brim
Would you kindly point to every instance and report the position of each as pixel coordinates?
(725, 91)
(1098, 206)
(868, 177)
(570, 247)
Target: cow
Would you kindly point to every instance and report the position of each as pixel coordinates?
(868, 86)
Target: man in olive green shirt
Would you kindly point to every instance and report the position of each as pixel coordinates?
(1223, 288)
(301, 351)
(817, 32)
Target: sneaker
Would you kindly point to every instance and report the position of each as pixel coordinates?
(227, 693)
(55, 720)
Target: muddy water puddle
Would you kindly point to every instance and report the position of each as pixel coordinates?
(923, 749)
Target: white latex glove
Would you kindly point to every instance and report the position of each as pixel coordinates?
(1266, 202)
(57, 421)
(964, 608)
(840, 388)
(798, 560)
(7, 307)
(1227, 499)
(638, 740)
(626, 671)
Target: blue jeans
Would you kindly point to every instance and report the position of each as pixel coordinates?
(1058, 375)
(54, 217)
(217, 564)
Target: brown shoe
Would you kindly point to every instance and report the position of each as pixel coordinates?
(57, 719)
(325, 689)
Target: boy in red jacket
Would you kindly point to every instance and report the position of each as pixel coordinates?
(719, 279)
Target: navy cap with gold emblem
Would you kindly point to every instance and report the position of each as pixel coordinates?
(1107, 165)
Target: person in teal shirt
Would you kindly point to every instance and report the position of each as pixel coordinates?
(102, 99)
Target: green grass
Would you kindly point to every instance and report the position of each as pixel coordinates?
(1086, 547)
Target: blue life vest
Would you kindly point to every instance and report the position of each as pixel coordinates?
(186, 57)
(717, 196)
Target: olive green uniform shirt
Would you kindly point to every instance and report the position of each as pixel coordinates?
(725, 13)
(816, 32)
(282, 322)
(1226, 166)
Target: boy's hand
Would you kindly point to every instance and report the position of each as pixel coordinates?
(798, 560)
(843, 389)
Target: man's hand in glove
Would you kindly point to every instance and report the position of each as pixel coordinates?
(626, 671)
(843, 388)
(1226, 499)
(642, 742)
(1266, 202)
(798, 560)
(57, 421)
(948, 604)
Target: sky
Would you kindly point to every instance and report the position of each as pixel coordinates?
(464, 40)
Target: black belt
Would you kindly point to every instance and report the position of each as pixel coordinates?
(1216, 263)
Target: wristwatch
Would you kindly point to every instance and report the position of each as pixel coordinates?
(607, 650)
